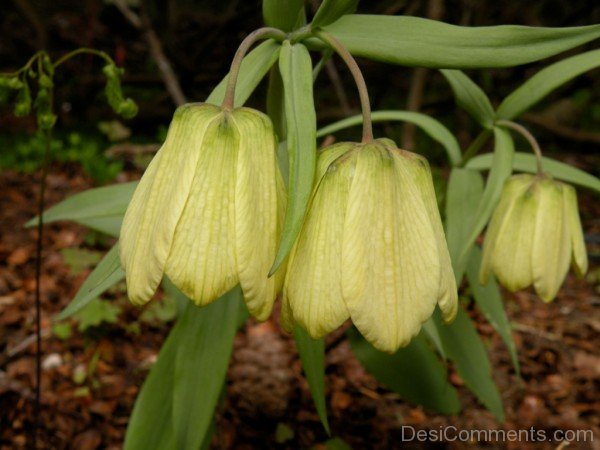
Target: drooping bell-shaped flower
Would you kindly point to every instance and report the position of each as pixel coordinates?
(208, 211)
(533, 236)
(372, 247)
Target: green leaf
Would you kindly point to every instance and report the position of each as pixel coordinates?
(79, 259)
(490, 303)
(301, 124)
(107, 273)
(167, 390)
(255, 66)
(312, 356)
(101, 208)
(275, 103)
(287, 15)
(201, 364)
(545, 81)
(332, 10)
(500, 170)
(413, 371)
(336, 444)
(95, 313)
(526, 162)
(464, 347)
(414, 41)
(471, 97)
(435, 129)
(150, 424)
(465, 189)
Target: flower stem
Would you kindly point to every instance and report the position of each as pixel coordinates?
(475, 146)
(261, 33)
(527, 135)
(79, 51)
(358, 79)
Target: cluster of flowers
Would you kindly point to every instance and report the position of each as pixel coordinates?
(209, 211)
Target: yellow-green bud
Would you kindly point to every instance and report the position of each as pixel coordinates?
(372, 247)
(534, 234)
(208, 212)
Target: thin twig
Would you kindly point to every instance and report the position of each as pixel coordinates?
(435, 11)
(562, 130)
(156, 51)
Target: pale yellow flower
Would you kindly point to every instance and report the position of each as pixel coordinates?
(372, 248)
(208, 211)
(533, 236)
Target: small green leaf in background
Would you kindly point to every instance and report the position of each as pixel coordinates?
(337, 444)
(464, 192)
(470, 97)
(414, 372)
(489, 300)
(95, 313)
(466, 350)
(101, 208)
(106, 274)
(79, 259)
(287, 15)
(500, 170)
(296, 72)
(255, 66)
(283, 433)
(526, 162)
(545, 81)
(435, 129)
(331, 10)
(62, 330)
(312, 357)
(160, 311)
(441, 45)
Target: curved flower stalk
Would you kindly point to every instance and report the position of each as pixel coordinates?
(372, 247)
(534, 234)
(208, 211)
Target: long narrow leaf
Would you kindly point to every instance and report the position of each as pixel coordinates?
(312, 356)
(255, 66)
(107, 273)
(435, 129)
(470, 97)
(465, 189)
(545, 81)
(464, 347)
(490, 303)
(500, 170)
(526, 162)
(100, 208)
(296, 72)
(414, 372)
(332, 10)
(201, 364)
(286, 15)
(413, 41)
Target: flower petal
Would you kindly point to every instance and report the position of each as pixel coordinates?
(580, 259)
(511, 261)
(157, 203)
(390, 261)
(513, 187)
(447, 293)
(552, 241)
(258, 205)
(202, 261)
(313, 281)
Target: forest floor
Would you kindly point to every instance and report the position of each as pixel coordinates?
(91, 377)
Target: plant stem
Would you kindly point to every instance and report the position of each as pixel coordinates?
(26, 66)
(475, 147)
(261, 33)
(527, 135)
(79, 51)
(363, 93)
(38, 299)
